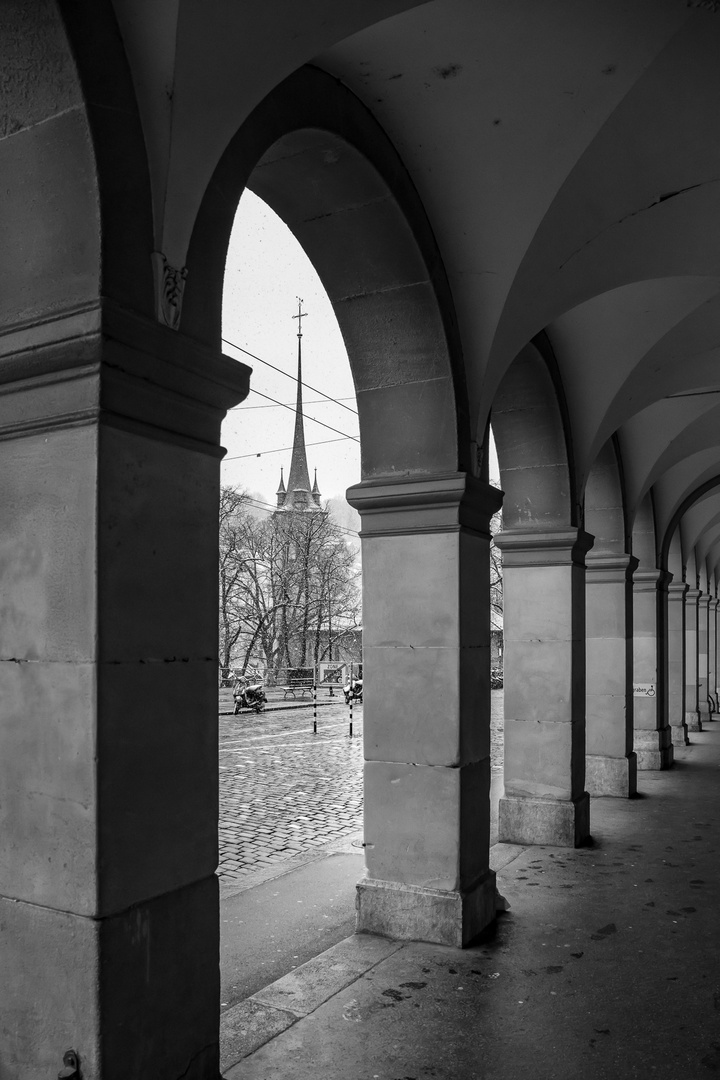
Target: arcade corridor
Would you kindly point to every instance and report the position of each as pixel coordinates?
(513, 206)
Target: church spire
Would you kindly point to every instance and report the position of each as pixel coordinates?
(299, 495)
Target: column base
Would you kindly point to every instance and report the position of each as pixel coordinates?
(526, 820)
(137, 994)
(611, 776)
(693, 722)
(416, 913)
(654, 748)
(678, 734)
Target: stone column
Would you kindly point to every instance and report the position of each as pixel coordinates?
(703, 663)
(653, 742)
(426, 651)
(676, 662)
(545, 801)
(108, 680)
(692, 714)
(712, 655)
(610, 762)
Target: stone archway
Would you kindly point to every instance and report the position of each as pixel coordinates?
(543, 551)
(318, 159)
(611, 764)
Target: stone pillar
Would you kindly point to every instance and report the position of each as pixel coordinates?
(653, 742)
(692, 714)
(676, 662)
(426, 651)
(108, 680)
(712, 655)
(610, 762)
(545, 801)
(703, 663)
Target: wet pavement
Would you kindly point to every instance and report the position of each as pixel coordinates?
(287, 793)
(284, 790)
(604, 967)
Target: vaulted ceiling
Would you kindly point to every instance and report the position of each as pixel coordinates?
(567, 156)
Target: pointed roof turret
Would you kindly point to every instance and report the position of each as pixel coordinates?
(281, 490)
(316, 491)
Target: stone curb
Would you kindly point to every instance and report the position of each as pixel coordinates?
(344, 846)
(253, 1022)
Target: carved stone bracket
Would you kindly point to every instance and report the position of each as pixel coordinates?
(169, 289)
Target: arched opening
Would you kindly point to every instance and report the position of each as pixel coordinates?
(314, 155)
(544, 607)
(290, 775)
(653, 740)
(611, 764)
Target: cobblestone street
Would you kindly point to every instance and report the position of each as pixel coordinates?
(285, 792)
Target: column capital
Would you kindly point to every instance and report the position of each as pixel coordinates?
(106, 363)
(677, 590)
(651, 580)
(446, 502)
(692, 596)
(609, 566)
(548, 547)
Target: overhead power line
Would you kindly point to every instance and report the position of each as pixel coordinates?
(285, 449)
(338, 401)
(312, 418)
(314, 401)
(269, 506)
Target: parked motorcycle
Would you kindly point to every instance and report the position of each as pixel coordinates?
(249, 694)
(353, 689)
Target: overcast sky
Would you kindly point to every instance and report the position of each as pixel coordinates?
(266, 271)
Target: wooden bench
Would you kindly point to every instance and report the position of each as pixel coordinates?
(295, 686)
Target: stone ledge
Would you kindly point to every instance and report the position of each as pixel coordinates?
(253, 1022)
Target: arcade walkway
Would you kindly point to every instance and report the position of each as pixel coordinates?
(607, 965)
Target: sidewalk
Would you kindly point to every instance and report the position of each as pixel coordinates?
(607, 965)
(276, 701)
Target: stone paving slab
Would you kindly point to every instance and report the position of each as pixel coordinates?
(247, 1027)
(305, 989)
(253, 1022)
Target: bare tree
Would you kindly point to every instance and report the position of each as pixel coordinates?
(289, 586)
(496, 573)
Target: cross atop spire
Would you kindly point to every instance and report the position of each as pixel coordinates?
(300, 315)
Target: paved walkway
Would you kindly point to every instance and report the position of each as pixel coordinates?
(606, 966)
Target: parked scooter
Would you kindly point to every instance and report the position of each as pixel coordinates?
(496, 679)
(353, 689)
(249, 694)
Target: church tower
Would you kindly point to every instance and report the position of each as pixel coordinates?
(298, 496)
